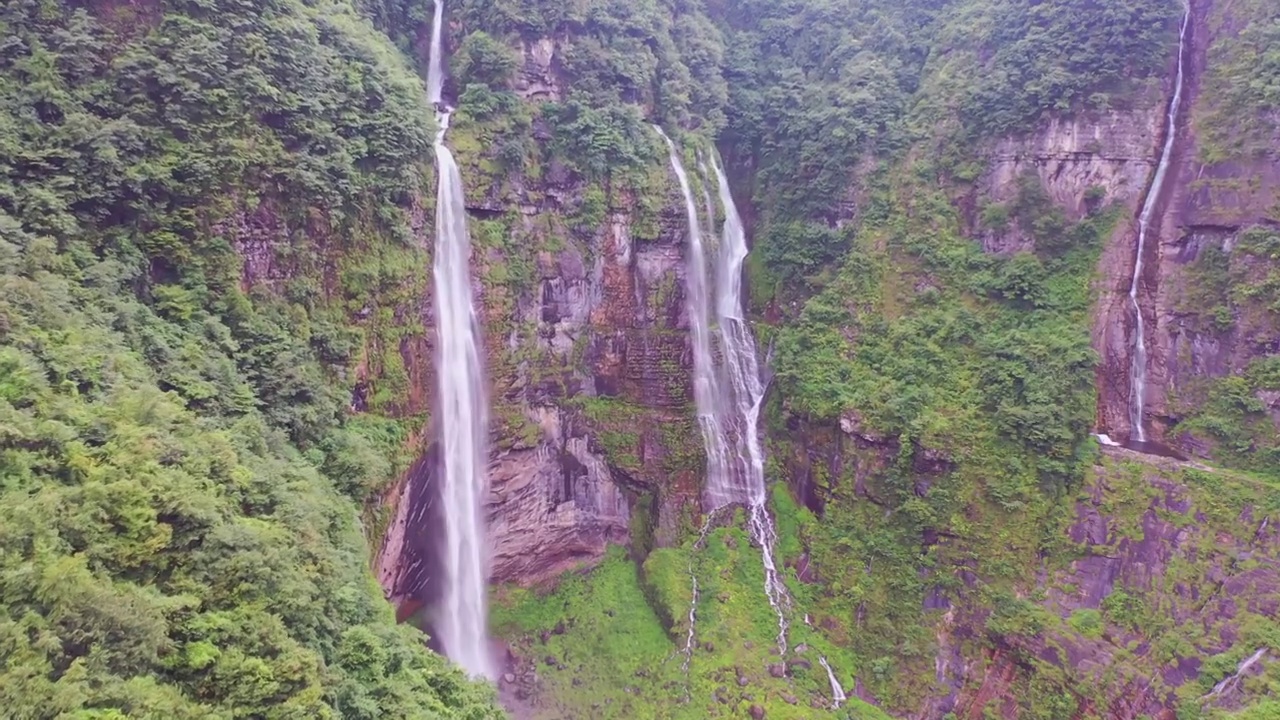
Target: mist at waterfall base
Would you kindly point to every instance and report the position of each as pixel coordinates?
(460, 616)
(1138, 370)
(728, 395)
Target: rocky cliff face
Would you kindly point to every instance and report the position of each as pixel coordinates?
(1207, 328)
(1129, 603)
(1083, 163)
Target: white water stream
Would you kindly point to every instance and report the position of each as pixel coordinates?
(1235, 678)
(729, 395)
(461, 619)
(838, 697)
(1138, 374)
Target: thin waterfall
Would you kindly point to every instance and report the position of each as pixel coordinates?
(1138, 383)
(461, 619)
(838, 697)
(1234, 679)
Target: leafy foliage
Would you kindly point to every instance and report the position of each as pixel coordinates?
(1242, 84)
(179, 530)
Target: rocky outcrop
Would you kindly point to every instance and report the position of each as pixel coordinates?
(540, 76)
(1092, 159)
(1085, 162)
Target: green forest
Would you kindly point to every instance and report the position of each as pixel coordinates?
(215, 243)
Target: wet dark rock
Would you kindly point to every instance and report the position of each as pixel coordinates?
(778, 670)
(550, 660)
(789, 699)
(722, 694)
(757, 712)
(798, 664)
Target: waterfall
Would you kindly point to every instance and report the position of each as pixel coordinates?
(742, 396)
(728, 397)
(1138, 383)
(837, 693)
(1235, 678)
(461, 620)
(706, 386)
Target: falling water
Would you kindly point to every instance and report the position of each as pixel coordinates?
(461, 620)
(837, 693)
(1138, 384)
(1233, 679)
(741, 398)
(706, 386)
(728, 398)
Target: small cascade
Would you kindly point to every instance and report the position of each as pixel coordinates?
(838, 697)
(1138, 379)
(1233, 679)
(693, 603)
(461, 619)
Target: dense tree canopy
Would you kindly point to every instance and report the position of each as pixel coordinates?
(180, 533)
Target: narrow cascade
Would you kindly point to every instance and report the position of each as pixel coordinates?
(690, 638)
(1234, 679)
(729, 397)
(1138, 380)
(461, 620)
(838, 697)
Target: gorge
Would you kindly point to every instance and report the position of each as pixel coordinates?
(701, 359)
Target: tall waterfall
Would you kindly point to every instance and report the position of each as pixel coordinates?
(1138, 379)
(728, 396)
(461, 619)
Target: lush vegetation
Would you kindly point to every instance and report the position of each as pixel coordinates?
(212, 217)
(1242, 100)
(859, 130)
(1238, 293)
(206, 225)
